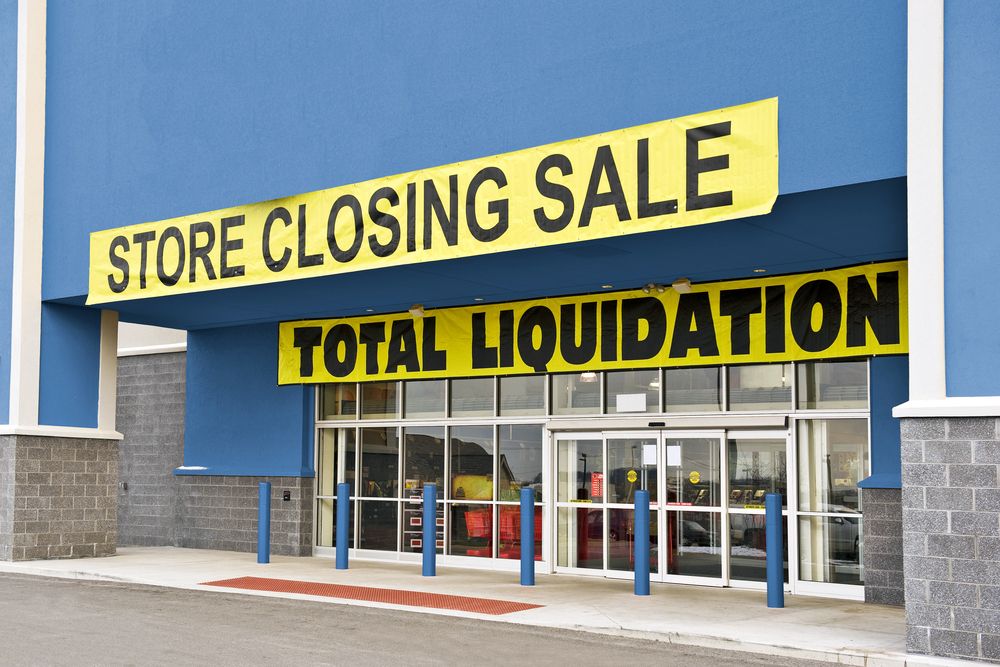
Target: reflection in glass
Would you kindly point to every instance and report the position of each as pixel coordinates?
(472, 397)
(828, 385)
(766, 387)
(581, 470)
(620, 535)
(833, 458)
(580, 541)
(413, 529)
(326, 462)
(471, 463)
(830, 549)
(424, 398)
(748, 547)
(338, 401)
(522, 395)
(693, 472)
(378, 525)
(693, 389)
(423, 451)
(379, 463)
(756, 468)
(631, 466)
(520, 461)
(694, 544)
(471, 530)
(347, 461)
(326, 523)
(509, 545)
(379, 400)
(635, 391)
(576, 393)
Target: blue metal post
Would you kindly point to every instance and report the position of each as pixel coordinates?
(343, 521)
(429, 546)
(642, 542)
(775, 551)
(527, 536)
(264, 524)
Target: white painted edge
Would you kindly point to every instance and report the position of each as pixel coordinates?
(61, 432)
(925, 198)
(107, 392)
(974, 406)
(152, 349)
(29, 198)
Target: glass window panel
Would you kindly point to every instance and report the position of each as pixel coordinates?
(748, 547)
(338, 401)
(424, 399)
(326, 523)
(378, 525)
(522, 395)
(693, 472)
(348, 458)
(413, 530)
(472, 397)
(520, 461)
(580, 541)
(620, 534)
(326, 462)
(379, 400)
(471, 530)
(509, 545)
(424, 459)
(632, 391)
(576, 394)
(694, 544)
(471, 463)
(631, 466)
(756, 468)
(830, 549)
(581, 470)
(379, 463)
(767, 387)
(830, 385)
(833, 458)
(693, 389)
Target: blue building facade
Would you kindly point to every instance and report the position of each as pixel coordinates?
(127, 113)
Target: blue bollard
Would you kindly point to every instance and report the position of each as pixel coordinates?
(264, 524)
(343, 521)
(527, 536)
(429, 546)
(642, 542)
(775, 551)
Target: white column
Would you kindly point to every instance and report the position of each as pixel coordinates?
(107, 389)
(29, 195)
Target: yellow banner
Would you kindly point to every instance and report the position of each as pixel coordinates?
(851, 312)
(694, 170)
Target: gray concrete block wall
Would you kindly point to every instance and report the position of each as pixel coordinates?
(883, 545)
(61, 501)
(951, 537)
(159, 508)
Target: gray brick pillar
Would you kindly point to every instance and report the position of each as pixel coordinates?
(951, 537)
(883, 526)
(57, 497)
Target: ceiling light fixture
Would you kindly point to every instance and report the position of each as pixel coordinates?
(589, 376)
(760, 270)
(682, 286)
(607, 286)
(654, 286)
(417, 310)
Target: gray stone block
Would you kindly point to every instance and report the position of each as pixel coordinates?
(954, 643)
(986, 451)
(952, 594)
(918, 639)
(928, 615)
(921, 428)
(987, 500)
(941, 451)
(975, 523)
(975, 571)
(915, 591)
(927, 474)
(990, 647)
(923, 567)
(951, 546)
(937, 498)
(972, 428)
(914, 544)
(975, 476)
(977, 620)
(989, 597)
(913, 497)
(925, 521)
(912, 451)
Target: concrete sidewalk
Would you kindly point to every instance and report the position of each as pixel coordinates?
(835, 631)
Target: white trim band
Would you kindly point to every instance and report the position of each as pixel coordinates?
(61, 432)
(152, 349)
(975, 406)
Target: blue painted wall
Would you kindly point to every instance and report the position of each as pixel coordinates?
(8, 146)
(237, 420)
(161, 108)
(889, 379)
(971, 185)
(70, 366)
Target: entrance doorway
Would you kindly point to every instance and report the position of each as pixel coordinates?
(706, 491)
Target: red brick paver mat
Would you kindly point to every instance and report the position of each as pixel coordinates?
(386, 595)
